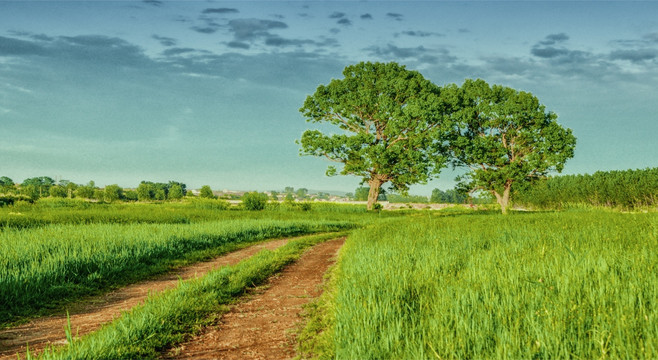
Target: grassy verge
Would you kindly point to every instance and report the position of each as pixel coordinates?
(168, 318)
(526, 286)
(315, 337)
(41, 268)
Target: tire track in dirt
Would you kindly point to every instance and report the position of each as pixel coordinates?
(89, 316)
(260, 327)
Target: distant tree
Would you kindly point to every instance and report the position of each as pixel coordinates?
(86, 191)
(145, 191)
(302, 193)
(392, 125)
(450, 196)
(130, 195)
(361, 193)
(160, 194)
(506, 137)
(289, 190)
(349, 196)
(58, 191)
(71, 189)
(113, 193)
(41, 183)
(274, 195)
(6, 185)
(99, 194)
(289, 197)
(5, 181)
(402, 198)
(323, 196)
(31, 191)
(175, 192)
(206, 192)
(182, 186)
(254, 200)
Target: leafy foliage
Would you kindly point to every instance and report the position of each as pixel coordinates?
(254, 200)
(506, 136)
(392, 123)
(206, 192)
(450, 196)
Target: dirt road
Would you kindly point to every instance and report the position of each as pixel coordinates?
(261, 327)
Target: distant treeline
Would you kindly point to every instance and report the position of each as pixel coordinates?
(621, 188)
(35, 188)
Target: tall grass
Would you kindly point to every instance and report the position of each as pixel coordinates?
(73, 211)
(40, 267)
(527, 286)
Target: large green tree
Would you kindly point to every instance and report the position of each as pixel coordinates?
(390, 126)
(506, 137)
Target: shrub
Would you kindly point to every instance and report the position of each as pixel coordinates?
(254, 201)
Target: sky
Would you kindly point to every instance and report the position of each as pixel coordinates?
(208, 92)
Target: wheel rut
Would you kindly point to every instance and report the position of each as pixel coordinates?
(261, 327)
(89, 316)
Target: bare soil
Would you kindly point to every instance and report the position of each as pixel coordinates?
(90, 315)
(263, 326)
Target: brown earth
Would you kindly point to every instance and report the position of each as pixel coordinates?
(261, 327)
(90, 315)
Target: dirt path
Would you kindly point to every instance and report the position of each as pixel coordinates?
(260, 328)
(43, 332)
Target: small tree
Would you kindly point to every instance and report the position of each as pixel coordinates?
(58, 191)
(254, 200)
(6, 185)
(301, 193)
(42, 185)
(361, 193)
(113, 193)
(160, 194)
(506, 137)
(86, 191)
(392, 123)
(206, 192)
(175, 192)
(145, 191)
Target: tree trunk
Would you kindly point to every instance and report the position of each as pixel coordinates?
(375, 184)
(503, 200)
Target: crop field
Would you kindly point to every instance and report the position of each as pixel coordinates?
(451, 284)
(577, 284)
(64, 250)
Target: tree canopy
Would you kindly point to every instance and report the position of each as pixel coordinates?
(506, 137)
(391, 126)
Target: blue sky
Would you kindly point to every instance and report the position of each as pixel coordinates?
(208, 92)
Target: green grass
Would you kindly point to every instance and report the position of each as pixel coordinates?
(526, 286)
(42, 267)
(73, 211)
(168, 318)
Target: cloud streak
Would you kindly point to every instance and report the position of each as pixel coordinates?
(220, 11)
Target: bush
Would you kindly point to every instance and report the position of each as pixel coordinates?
(12, 199)
(254, 200)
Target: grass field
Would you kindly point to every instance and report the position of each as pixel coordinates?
(42, 266)
(165, 319)
(449, 284)
(581, 284)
